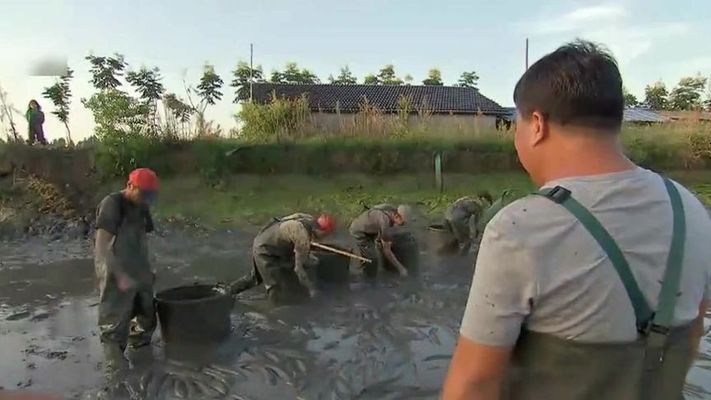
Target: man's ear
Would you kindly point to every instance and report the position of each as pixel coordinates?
(539, 128)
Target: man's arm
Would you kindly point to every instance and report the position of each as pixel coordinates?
(295, 232)
(697, 328)
(500, 298)
(390, 256)
(476, 371)
(384, 230)
(108, 219)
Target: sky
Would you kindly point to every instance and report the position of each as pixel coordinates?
(651, 39)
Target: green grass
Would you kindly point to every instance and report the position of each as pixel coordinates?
(252, 199)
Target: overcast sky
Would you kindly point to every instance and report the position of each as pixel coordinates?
(652, 39)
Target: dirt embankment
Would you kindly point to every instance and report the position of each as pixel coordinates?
(46, 191)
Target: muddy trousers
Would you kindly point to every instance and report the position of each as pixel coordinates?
(277, 275)
(370, 249)
(461, 231)
(116, 311)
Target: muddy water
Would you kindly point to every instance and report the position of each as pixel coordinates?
(389, 341)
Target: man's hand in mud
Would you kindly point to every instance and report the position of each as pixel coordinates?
(124, 282)
(313, 293)
(403, 273)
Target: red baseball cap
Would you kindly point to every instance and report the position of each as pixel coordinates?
(144, 179)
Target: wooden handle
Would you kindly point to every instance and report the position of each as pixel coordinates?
(341, 252)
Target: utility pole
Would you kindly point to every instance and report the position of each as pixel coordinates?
(251, 69)
(526, 53)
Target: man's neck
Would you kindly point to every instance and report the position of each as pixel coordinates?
(586, 157)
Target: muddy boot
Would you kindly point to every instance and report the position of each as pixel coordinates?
(115, 361)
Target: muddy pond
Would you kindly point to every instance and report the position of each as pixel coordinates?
(388, 341)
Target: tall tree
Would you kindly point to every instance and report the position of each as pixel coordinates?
(469, 79)
(655, 96)
(241, 76)
(105, 71)
(345, 77)
(387, 76)
(60, 95)
(210, 85)
(292, 74)
(208, 93)
(687, 94)
(630, 99)
(147, 82)
(179, 111)
(434, 78)
(371, 79)
(408, 79)
(708, 96)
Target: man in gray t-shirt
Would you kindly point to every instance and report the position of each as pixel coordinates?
(549, 315)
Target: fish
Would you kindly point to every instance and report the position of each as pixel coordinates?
(180, 388)
(437, 357)
(300, 366)
(224, 370)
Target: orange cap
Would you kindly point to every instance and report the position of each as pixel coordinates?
(144, 179)
(326, 223)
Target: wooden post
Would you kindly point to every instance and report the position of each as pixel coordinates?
(438, 171)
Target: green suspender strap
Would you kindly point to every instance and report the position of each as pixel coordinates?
(654, 326)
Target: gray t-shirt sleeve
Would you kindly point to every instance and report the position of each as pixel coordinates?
(108, 215)
(503, 287)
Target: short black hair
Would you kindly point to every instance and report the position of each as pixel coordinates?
(578, 84)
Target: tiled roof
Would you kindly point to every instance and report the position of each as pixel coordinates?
(349, 98)
(642, 115)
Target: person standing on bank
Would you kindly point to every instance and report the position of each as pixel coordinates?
(596, 287)
(372, 231)
(122, 264)
(281, 252)
(462, 216)
(35, 120)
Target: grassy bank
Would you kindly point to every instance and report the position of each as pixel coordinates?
(253, 199)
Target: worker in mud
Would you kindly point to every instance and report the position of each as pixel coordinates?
(281, 252)
(461, 218)
(596, 286)
(122, 265)
(373, 232)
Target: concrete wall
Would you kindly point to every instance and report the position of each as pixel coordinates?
(436, 124)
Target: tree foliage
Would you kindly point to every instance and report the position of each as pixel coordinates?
(345, 77)
(386, 76)
(655, 96)
(408, 79)
(105, 71)
(371, 79)
(292, 74)
(687, 94)
(469, 79)
(178, 108)
(240, 79)
(60, 95)
(630, 99)
(434, 78)
(116, 113)
(210, 85)
(147, 83)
